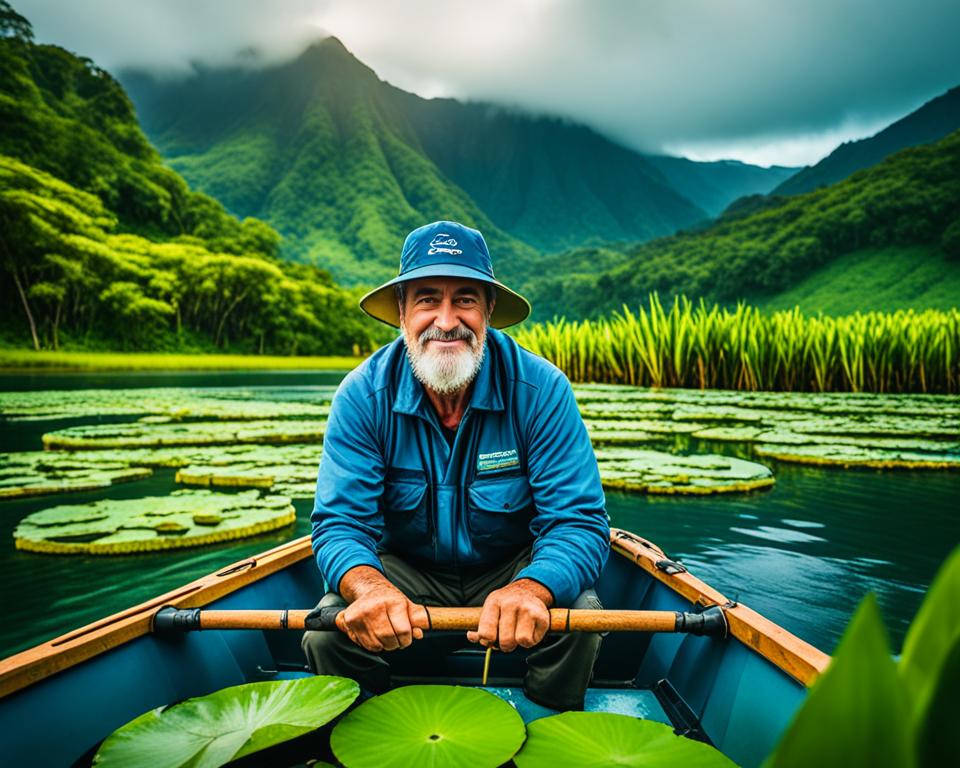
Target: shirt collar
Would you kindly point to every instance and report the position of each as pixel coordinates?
(486, 395)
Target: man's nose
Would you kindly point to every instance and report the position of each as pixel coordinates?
(446, 318)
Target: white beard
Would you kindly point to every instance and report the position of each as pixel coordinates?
(445, 371)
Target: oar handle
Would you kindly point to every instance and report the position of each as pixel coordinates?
(710, 622)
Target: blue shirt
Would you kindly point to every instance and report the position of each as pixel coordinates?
(521, 469)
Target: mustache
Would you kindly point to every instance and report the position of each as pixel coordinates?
(435, 334)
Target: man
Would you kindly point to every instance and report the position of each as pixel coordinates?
(456, 470)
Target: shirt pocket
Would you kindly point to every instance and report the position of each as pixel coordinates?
(404, 507)
(500, 508)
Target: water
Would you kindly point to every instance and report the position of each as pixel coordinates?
(803, 554)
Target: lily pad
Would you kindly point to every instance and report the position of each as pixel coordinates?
(163, 403)
(429, 725)
(186, 518)
(633, 469)
(36, 473)
(859, 456)
(111, 436)
(601, 739)
(229, 724)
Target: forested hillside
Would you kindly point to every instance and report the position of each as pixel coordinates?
(931, 122)
(910, 199)
(104, 246)
(344, 165)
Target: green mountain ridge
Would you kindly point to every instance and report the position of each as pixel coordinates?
(930, 122)
(383, 161)
(103, 246)
(910, 200)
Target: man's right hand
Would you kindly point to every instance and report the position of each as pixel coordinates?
(379, 616)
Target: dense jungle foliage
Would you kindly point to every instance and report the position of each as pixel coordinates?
(104, 246)
(765, 245)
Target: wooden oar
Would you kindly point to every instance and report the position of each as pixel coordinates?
(711, 622)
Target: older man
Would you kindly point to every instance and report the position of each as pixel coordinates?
(456, 470)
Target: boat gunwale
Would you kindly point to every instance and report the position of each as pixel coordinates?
(802, 661)
(798, 658)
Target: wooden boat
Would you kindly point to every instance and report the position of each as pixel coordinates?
(60, 699)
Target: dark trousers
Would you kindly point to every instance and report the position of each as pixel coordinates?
(558, 669)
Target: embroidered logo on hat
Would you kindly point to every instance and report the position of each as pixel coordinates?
(443, 243)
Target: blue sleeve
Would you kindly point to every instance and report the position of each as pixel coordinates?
(570, 523)
(346, 520)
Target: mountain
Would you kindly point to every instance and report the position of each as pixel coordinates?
(319, 149)
(102, 245)
(344, 164)
(715, 185)
(931, 122)
(906, 207)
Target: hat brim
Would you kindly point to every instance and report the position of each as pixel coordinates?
(381, 303)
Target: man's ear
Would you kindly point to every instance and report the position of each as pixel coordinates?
(490, 305)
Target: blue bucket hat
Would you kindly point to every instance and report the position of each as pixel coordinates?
(445, 249)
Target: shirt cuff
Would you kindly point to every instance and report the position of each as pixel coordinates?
(334, 568)
(561, 586)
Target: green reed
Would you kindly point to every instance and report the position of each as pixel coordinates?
(692, 345)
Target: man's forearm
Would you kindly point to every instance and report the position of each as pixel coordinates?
(537, 590)
(360, 581)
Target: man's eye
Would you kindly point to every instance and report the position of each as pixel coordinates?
(467, 300)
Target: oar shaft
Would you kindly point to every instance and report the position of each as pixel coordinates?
(710, 622)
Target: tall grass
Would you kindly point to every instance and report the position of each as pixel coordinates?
(709, 347)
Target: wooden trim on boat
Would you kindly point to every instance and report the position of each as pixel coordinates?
(47, 659)
(797, 658)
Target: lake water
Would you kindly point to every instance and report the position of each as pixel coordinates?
(803, 553)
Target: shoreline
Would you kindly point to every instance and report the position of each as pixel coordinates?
(14, 361)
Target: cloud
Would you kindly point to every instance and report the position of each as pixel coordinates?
(700, 76)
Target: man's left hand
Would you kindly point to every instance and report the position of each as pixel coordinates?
(516, 614)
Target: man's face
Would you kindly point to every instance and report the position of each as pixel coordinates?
(444, 323)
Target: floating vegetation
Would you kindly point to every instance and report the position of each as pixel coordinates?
(441, 725)
(107, 436)
(633, 469)
(897, 432)
(234, 722)
(169, 403)
(745, 349)
(599, 739)
(186, 518)
(839, 455)
(36, 473)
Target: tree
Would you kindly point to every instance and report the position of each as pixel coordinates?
(13, 25)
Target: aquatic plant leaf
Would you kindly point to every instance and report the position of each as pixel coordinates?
(635, 469)
(229, 724)
(429, 725)
(833, 454)
(36, 473)
(157, 405)
(138, 435)
(856, 713)
(937, 737)
(601, 739)
(933, 634)
(185, 518)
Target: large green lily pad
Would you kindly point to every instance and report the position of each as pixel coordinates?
(109, 436)
(169, 403)
(839, 455)
(429, 725)
(35, 473)
(633, 469)
(602, 739)
(186, 518)
(227, 725)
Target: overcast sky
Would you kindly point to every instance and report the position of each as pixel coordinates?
(764, 81)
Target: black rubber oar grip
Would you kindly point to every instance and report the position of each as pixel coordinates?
(169, 620)
(322, 619)
(712, 622)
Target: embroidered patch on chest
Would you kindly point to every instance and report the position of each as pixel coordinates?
(492, 462)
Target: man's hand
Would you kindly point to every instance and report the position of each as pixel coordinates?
(379, 617)
(516, 614)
